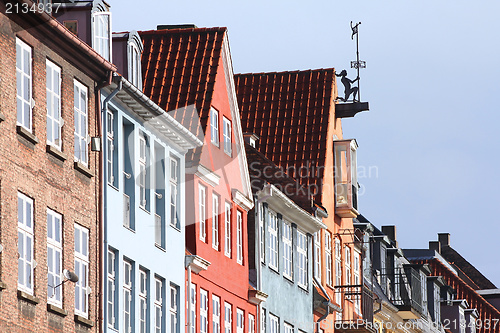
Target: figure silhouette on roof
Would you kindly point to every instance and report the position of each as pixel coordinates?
(348, 90)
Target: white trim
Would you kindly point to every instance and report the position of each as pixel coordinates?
(228, 317)
(205, 174)
(202, 211)
(203, 311)
(215, 314)
(81, 156)
(215, 221)
(197, 263)
(82, 262)
(241, 200)
(26, 230)
(54, 244)
(302, 249)
(54, 96)
(240, 321)
(239, 237)
(287, 239)
(25, 76)
(227, 229)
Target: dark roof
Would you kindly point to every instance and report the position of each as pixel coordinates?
(466, 270)
(179, 68)
(290, 112)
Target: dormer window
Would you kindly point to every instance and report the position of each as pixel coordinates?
(101, 25)
(134, 50)
(346, 180)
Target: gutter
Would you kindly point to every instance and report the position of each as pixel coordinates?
(103, 226)
(327, 303)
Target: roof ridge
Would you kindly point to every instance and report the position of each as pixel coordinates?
(181, 30)
(299, 71)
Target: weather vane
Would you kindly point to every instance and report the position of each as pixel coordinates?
(348, 90)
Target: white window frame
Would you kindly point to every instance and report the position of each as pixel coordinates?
(54, 257)
(53, 89)
(288, 328)
(215, 221)
(110, 137)
(226, 123)
(128, 296)
(174, 309)
(202, 211)
(215, 314)
(357, 280)
(82, 289)
(174, 192)
(203, 311)
(328, 258)
(214, 127)
(338, 270)
(302, 258)
(239, 237)
(348, 272)
(262, 234)
(251, 323)
(287, 250)
(227, 229)
(101, 40)
(81, 120)
(143, 174)
(111, 276)
(143, 301)
(273, 239)
(25, 226)
(262, 320)
(158, 304)
(134, 65)
(192, 329)
(228, 317)
(240, 321)
(317, 255)
(274, 322)
(25, 72)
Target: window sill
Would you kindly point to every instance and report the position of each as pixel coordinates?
(216, 144)
(27, 297)
(274, 269)
(57, 310)
(160, 247)
(216, 248)
(84, 321)
(113, 187)
(304, 288)
(144, 209)
(83, 169)
(2, 117)
(129, 229)
(3, 285)
(288, 278)
(175, 227)
(56, 152)
(27, 134)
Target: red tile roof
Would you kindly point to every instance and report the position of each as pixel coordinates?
(179, 68)
(290, 112)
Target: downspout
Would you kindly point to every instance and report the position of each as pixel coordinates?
(103, 226)
(188, 314)
(258, 264)
(327, 304)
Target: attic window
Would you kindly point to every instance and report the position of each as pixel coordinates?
(101, 25)
(134, 65)
(346, 180)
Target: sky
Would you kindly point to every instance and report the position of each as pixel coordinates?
(432, 80)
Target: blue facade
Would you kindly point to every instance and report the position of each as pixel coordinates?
(144, 213)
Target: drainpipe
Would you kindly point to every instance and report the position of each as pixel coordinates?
(189, 299)
(103, 226)
(327, 304)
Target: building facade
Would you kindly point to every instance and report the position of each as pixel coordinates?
(49, 96)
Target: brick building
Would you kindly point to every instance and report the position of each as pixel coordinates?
(49, 177)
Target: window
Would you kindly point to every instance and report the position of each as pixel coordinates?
(110, 134)
(346, 183)
(111, 288)
(262, 234)
(202, 198)
(328, 258)
(134, 69)
(357, 281)
(24, 84)
(192, 329)
(287, 249)
(317, 255)
(54, 258)
(54, 120)
(143, 174)
(273, 240)
(240, 321)
(215, 221)
(348, 277)
(203, 311)
(228, 312)
(288, 328)
(159, 305)
(302, 258)
(174, 309)
(227, 230)
(227, 135)
(338, 269)
(127, 296)
(102, 28)
(215, 314)
(25, 243)
(81, 270)
(251, 323)
(239, 237)
(143, 301)
(274, 324)
(81, 122)
(262, 320)
(174, 193)
(214, 127)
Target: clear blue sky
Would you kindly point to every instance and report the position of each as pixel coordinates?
(432, 80)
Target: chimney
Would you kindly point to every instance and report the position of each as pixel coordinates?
(435, 245)
(390, 231)
(251, 138)
(444, 239)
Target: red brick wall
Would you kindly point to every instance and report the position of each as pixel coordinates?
(50, 182)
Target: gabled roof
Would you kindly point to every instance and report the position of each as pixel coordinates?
(290, 112)
(179, 68)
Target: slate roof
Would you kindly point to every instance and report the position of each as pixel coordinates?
(290, 112)
(179, 68)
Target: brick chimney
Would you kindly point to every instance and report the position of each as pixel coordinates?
(435, 245)
(390, 231)
(444, 239)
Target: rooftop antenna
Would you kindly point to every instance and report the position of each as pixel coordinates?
(358, 63)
